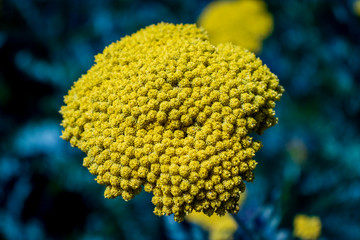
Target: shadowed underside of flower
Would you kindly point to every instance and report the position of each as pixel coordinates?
(165, 111)
(219, 227)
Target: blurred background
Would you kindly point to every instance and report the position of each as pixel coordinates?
(310, 162)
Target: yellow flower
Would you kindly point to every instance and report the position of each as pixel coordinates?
(166, 111)
(245, 23)
(220, 228)
(307, 228)
(357, 7)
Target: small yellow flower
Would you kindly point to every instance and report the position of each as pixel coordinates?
(357, 7)
(306, 227)
(245, 23)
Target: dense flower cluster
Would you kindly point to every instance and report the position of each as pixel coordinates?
(166, 111)
(242, 22)
(307, 228)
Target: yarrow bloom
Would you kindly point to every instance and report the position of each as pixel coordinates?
(245, 23)
(165, 111)
(306, 227)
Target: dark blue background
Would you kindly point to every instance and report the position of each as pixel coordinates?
(310, 162)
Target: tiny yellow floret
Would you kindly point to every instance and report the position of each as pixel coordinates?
(167, 111)
(306, 227)
(245, 23)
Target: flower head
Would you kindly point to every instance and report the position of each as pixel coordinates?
(307, 228)
(166, 111)
(245, 23)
